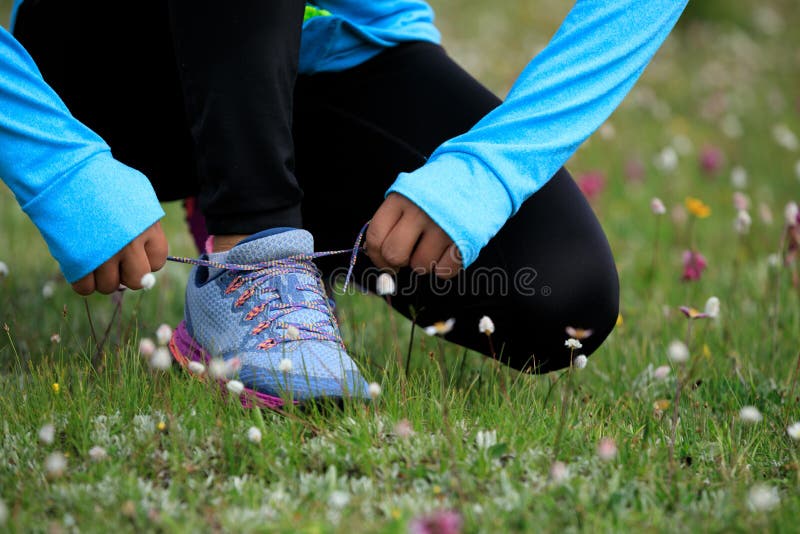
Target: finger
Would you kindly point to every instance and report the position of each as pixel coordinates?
(156, 248)
(85, 286)
(450, 263)
(430, 248)
(384, 220)
(133, 266)
(399, 244)
(106, 277)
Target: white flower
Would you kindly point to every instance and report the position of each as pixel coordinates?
(285, 365)
(677, 352)
(790, 213)
(667, 159)
(750, 414)
(163, 334)
(440, 328)
(161, 360)
(785, 137)
(486, 325)
(661, 372)
(48, 289)
(253, 435)
(374, 390)
(222, 369)
(580, 361)
(742, 222)
(147, 347)
(55, 464)
(235, 387)
(55, 338)
(794, 431)
(197, 368)
(47, 434)
(657, 207)
(762, 498)
(338, 499)
(3, 270)
(607, 449)
(292, 332)
(712, 307)
(559, 472)
(385, 285)
(486, 438)
(3, 512)
(573, 343)
(774, 260)
(403, 429)
(148, 281)
(98, 453)
(739, 177)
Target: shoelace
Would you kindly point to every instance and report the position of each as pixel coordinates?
(254, 279)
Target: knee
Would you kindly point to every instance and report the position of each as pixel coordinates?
(586, 299)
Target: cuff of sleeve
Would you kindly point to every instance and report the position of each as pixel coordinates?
(462, 196)
(92, 212)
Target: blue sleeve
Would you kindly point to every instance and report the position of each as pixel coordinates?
(86, 204)
(474, 183)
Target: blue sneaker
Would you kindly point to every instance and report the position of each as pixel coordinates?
(262, 307)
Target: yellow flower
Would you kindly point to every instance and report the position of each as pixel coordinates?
(437, 489)
(697, 207)
(706, 351)
(56, 388)
(161, 426)
(396, 514)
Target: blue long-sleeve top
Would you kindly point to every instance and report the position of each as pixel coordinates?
(65, 179)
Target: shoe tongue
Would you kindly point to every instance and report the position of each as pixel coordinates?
(275, 246)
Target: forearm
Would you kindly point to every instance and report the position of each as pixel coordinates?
(473, 183)
(86, 204)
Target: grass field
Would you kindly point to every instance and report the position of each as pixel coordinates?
(717, 113)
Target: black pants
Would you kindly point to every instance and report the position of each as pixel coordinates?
(204, 99)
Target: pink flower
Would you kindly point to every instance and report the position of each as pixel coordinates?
(741, 201)
(693, 265)
(711, 159)
(634, 170)
(592, 184)
(441, 522)
(607, 449)
(693, 313)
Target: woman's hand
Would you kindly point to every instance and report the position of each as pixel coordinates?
(400, 234)
(145, 254)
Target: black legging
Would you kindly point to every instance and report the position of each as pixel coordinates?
(219, 127)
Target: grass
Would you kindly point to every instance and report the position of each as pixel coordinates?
(325, 470)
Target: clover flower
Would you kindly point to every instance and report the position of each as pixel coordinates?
(235, 387)
(712, 307)
(163, 334)
(161, 360)
(385, 285)
(573, 343)
(750, 414)
(374, 390)
(794, 431)
(285, 365)
(196, 368)
(678, 352)
(97, 453)
(694, 264)
(657, 207)
(47, 434)
(147, 347)
(148, 281)
(580, 361)
(607, 449)
(486, 326)
(762, 498)
(253, 435)
(55, 465)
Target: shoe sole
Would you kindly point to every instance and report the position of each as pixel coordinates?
(185, 350)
